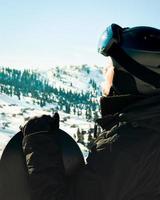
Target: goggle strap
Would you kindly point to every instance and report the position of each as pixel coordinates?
(133, 67)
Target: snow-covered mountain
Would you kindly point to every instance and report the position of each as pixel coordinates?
(74, 77)
(74, 81)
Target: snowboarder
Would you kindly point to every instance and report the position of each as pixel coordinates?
(124, 163)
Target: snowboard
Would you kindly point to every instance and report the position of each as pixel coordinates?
(14, 178)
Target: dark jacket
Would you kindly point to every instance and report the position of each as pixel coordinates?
(124, 163)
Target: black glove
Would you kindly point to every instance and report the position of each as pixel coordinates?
(42, 124)
(43, 157)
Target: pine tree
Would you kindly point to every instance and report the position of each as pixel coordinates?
(67, 108)
(96, 116)
(90, 141)
(80, 137)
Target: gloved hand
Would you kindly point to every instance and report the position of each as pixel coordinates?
(43, 157)
(42, 124)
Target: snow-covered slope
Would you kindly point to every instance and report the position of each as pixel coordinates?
(14, 112)
(74, 77)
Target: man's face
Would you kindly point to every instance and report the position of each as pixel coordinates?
(109, 74)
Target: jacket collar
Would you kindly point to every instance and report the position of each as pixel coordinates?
(144, 111)
(114, 104)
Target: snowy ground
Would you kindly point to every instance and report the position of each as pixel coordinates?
(13, 113)
(3, 141)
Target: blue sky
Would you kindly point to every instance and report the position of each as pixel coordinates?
(36, 33)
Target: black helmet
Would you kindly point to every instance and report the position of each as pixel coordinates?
(135, 53)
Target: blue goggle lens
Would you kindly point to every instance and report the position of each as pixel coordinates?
(109, 36)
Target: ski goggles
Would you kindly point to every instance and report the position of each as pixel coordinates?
(110, 45)
(112, 35)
